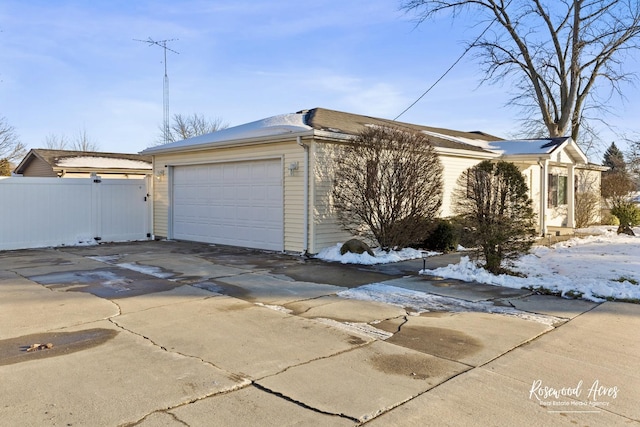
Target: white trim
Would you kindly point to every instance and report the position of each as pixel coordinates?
(466, 153)
(284, 137)
(213, 162)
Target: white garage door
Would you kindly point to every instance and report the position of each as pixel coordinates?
(238, 204)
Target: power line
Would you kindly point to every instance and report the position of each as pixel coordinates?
(448, 70)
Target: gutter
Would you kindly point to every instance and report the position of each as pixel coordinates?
(281, 137)
(305, 238)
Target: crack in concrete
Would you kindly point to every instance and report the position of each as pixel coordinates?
(302, 404)
(159, 411)
(406, 319)
(355, 347)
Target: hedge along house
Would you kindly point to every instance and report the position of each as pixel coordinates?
(267, 184)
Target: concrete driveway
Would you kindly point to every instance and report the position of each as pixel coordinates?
(174, 333)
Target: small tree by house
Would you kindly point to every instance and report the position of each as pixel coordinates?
(614, 159)
(492, 200)
(387, 182)
(5, 167)
(618, 186)
(587, 199)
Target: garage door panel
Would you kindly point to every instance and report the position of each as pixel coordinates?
(238, 203)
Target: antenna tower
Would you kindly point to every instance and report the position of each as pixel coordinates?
(165, 93)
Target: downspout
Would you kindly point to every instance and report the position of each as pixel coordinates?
(544, 183)
(151, 198)
(305, 239)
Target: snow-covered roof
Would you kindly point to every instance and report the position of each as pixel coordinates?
(282, 124)
(540, 148)
(329, 123)
(102, 163)
(318, 122)
(58, 161)
(525, 146)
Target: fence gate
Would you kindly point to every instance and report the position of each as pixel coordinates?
(40, 212)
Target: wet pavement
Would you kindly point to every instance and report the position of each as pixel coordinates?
(179, 333)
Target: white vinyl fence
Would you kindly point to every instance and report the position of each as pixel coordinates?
(40, 212)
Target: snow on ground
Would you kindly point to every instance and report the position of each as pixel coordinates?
(597, 267)
(145, 269)
(332, 253)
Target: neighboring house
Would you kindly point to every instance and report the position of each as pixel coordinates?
(267, 184)
(81, 164)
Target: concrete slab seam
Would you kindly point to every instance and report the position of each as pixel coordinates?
(355, 347)
(399, 404)
(180, 405)
(302, 404)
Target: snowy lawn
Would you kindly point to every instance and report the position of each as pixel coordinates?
(604, 266)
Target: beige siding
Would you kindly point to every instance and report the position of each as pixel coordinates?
(38, 168)
(453, 166)
(325, 230)
(288, 151)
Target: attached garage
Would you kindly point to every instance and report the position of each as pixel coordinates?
(267, 184)
(232, 203)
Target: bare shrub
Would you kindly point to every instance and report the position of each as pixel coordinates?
(387, 182)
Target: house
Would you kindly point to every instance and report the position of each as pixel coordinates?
(267, 184)
(82, 164)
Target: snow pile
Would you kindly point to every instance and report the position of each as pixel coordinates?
(603, 265)
(593, 268)
(381, 257)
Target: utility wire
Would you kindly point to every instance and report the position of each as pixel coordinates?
(448, 70)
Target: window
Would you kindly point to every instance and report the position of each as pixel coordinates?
(557, 190)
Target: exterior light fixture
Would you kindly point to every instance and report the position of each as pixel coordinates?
(425, 255)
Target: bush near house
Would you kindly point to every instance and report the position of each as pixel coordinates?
(627, 213)
(493, 203)
(443, 236)
(387, 182)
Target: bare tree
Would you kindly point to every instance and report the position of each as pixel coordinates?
(617, 188)
(556, 51)
(80, 142)
(55, 142)
(183, 127)
(587, 198)
(387, 182)
(11, 148)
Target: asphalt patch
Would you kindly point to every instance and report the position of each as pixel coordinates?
(14, 350)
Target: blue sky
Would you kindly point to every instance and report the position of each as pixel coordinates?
(68, 66)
